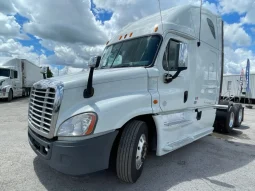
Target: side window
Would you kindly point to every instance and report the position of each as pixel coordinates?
(175, 55)
(15, 74)
(171, 55)
(211, 26)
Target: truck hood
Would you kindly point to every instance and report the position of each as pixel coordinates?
(101, 76)
(3, 78)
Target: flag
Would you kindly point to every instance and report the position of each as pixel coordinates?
(248, 76)
(241, 79)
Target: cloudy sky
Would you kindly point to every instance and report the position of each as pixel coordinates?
(68, 32)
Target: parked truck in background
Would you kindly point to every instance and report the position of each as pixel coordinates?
(156, 87)
(17, 76)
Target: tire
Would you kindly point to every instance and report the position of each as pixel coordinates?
(222, 121)
(238, 115)
(230, 120)
(10, 95)
(134, 136)
(27, 92)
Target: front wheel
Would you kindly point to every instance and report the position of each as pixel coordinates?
(132, 151)
(10, 95)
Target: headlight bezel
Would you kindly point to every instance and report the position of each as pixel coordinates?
(90, 129)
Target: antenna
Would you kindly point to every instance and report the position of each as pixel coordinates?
(160, 15)
(199, 43)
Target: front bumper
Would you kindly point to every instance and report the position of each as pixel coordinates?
(74, 157)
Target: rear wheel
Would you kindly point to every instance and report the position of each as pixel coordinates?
(238, 115)
(225, 120)
(132, 151)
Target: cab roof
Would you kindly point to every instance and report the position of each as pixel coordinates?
(180, 18)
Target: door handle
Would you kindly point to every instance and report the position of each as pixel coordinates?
(186, 95)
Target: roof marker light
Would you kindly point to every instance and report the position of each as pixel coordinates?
(120, 38)
(130, 34)
(156, 28)
(125, 36)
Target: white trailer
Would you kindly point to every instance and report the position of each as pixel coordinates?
(17, 76)
(231, 88)
(156, 86)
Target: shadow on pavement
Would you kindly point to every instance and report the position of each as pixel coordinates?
(5, 101)
(203, 159)
(236, 133)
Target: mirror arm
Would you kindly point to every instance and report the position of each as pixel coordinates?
(89, 92)
(169, 77)
(176, 74)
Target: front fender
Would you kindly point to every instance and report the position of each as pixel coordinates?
(8, 87)
(114, 107)
(114, 112)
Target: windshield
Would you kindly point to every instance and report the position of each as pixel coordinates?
(4, 72)
(131, 53)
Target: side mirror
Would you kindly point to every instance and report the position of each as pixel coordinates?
(182, 62)
(183, 56)
(44, 71)
(94, 61)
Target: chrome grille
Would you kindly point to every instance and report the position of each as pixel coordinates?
(41, 109)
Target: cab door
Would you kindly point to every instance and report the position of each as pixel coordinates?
(173, 84)
(16, 84)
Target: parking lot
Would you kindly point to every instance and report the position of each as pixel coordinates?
(216, 162)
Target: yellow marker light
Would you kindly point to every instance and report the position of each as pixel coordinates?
(155, 101)
(156, 28)
(125, 36)
(120, 38)
(130, 34)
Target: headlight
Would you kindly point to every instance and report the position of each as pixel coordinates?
(79, 125)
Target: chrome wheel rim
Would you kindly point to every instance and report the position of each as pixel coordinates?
(240, 116)
(231, 120)
(141, 151)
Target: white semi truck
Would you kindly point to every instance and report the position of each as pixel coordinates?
(156, 87)
(17, 76)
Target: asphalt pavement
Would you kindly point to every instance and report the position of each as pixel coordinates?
(215, 162)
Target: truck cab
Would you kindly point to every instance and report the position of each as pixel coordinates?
(17, 77)
(153, 88)
(10, 85)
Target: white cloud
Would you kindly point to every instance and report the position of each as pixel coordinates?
(250, 15)
(239, 6)
(8, 26)
(236, 59)
(236, 35)
(66, 22)
(12, 48)
(6, 6)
